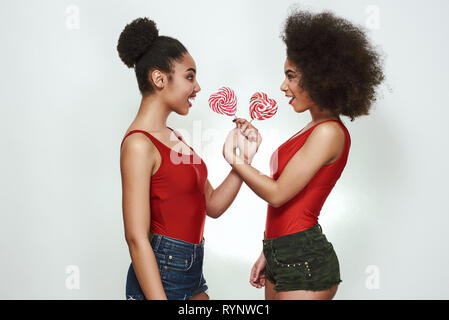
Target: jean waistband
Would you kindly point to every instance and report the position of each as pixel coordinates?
(158, 240)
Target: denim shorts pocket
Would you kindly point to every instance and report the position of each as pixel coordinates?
(159, 256)
(178, 261)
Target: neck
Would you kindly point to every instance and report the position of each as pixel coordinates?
(318, 116)
(153, 114)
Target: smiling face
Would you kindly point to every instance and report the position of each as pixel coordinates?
(300, 99)
(182, 86)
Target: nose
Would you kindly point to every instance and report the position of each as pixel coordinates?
(284, 86)
(198, 88)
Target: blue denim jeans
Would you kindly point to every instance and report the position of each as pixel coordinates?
(180, 267)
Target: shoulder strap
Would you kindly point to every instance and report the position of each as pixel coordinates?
(180, 138)
(153, 139)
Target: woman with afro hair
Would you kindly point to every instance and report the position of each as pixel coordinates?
(165, 191)
(330, 70)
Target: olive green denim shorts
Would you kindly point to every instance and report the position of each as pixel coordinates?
(301, 261)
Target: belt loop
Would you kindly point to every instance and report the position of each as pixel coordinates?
(158, 241)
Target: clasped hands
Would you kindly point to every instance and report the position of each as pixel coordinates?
(244, 137)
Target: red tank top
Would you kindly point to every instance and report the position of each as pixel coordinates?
(302, 211)
(177, 198)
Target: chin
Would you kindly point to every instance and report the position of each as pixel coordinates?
(299, 109)
(182, 112)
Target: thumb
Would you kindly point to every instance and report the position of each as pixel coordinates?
(255, 273)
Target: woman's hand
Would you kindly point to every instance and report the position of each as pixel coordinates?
(248, 130)
(246, 138)
(230, 146)
(257, 277)
(249, 139)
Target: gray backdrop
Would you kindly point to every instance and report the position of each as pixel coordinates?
(67, 100)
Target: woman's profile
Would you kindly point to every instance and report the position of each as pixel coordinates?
(331, 70)
(166, 194)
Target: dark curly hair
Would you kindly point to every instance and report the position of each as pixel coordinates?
(140, 47)
(340, 69)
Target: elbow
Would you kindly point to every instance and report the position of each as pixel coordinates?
(211, 215)
(214, 214)
(131, 242)
(275, 197)
(214, 211)
(135, 241)
(275, 202)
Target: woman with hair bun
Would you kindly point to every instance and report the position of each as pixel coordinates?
(166, 193)
(331, 70)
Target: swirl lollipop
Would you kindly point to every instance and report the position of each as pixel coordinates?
(224, 101)
(261, 107)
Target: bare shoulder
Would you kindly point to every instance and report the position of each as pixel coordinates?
(330, 137)
(329, 131)
(138, 150)
(138, 142)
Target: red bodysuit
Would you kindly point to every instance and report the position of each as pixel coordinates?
(302, 211)
(177, 198)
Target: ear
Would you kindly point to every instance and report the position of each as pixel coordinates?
(158, 78)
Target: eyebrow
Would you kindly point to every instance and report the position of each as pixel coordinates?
(191, 69)
(287, 71)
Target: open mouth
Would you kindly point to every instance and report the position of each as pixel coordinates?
(190, 100)
(291, 100)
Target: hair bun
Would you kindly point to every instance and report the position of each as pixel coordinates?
(135, 40)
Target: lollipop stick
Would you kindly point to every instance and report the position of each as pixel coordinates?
(251, 121)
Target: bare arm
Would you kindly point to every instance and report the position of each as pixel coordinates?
(219, 199)
(137, 161)
(323, 144)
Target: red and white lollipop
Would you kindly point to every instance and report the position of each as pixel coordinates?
(261, 107)
(224, 101)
